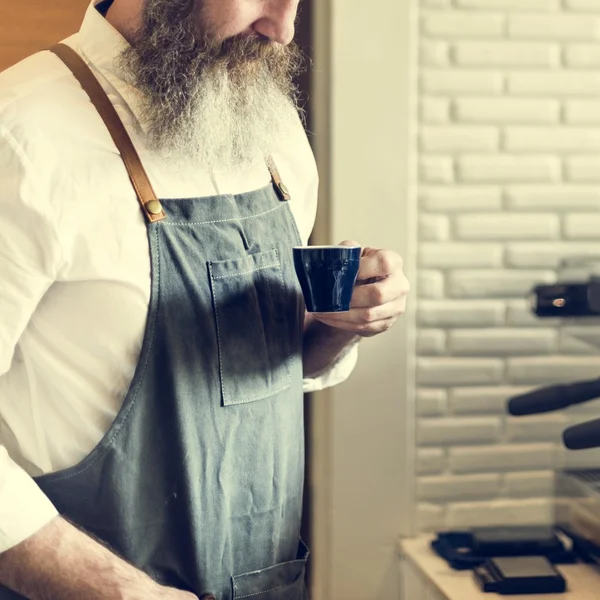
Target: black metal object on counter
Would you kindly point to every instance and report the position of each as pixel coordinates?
(464, 550)
(559, 300)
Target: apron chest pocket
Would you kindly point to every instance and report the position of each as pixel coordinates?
(251, 307)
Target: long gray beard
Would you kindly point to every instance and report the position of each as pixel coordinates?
(225, 103)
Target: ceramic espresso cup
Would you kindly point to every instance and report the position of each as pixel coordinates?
(327, 275)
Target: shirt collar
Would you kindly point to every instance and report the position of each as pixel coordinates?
(101, 44)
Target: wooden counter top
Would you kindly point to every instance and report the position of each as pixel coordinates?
(583, 580)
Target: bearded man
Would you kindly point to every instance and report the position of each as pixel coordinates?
(154, 343)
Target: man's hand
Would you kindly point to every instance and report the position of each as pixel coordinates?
(379, 297)
(62, 562)
(378, 300)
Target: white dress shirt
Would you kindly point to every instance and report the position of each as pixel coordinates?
(75, 266)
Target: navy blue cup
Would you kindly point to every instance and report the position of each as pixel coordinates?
(327, 275)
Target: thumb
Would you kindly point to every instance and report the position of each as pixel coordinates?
(349, 243)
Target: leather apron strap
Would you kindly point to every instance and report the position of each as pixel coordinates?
(150, 204)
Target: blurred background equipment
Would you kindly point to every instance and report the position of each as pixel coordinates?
(577, 491)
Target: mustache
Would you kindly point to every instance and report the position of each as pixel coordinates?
(243, 52)
(232, 53)
(253, 46)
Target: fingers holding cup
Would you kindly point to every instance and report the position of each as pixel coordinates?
(379, 296)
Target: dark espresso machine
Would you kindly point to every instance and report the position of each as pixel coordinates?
(577, 490)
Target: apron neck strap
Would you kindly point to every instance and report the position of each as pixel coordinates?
(149, 202)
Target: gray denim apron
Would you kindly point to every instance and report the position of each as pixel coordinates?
(199, 480)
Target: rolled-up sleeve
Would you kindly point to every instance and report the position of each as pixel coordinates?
(30, 256)
(337, 373)
(24, 508)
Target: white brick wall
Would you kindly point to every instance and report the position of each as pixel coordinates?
(565, 84)
(583, 5)
(531, 511)
(506, 54)
(506, 226)
(436, 169)
(516, 110)
(584, 226)
(582, 111)
(437, 110)
(509, 165)
(558, 197)
(582, 169)
(582, 55)
(506, 168)
(559, 27)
